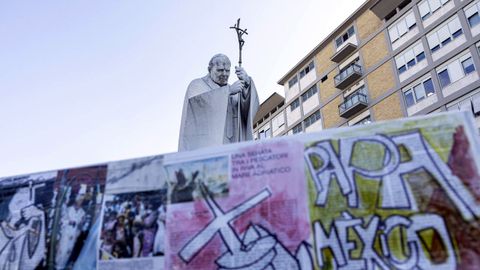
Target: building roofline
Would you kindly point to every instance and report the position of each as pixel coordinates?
(366, 5)
(274, 99)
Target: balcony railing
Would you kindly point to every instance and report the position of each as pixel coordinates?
(348, 75)
(353, 104)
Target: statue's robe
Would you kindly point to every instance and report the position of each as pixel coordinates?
(211, 116)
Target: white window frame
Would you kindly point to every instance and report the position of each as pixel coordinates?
(412, 88)
(444, 32)
(453, 66)
(402, 59)
(470, 10)
(402, 26)
(432, 5)
(315, 116)
(297, 102)
(292, 81)
(348, 36)
(309, 93)
(310, 67)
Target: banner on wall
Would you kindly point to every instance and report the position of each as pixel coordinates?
(403, 194)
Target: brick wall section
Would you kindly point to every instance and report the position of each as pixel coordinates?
(323, 58)
(331, 118)
(375, 50)
(327, 88)
(388, 108)
(367, 23)
(381, 80)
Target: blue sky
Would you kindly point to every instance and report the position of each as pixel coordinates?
(84, 82)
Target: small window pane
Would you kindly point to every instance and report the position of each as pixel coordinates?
(409, 55)
(428, 86)
(472, 10)
(424, 9)
(409, 98)
(444, 78)
(455, 70)
(458, 33)
(410, 20)
(339, 41)
(402, 27)
(433, 41)
(474, 19)
(446, 41)
(465, 105)
(434, 5)
(418, 49)
(443, 34)
(393, 33)
(420, 57)
(411, 63)
(351, 31)
(402, 69)
(400, 61)
(454, 25)
(419, 92)
(468, 66)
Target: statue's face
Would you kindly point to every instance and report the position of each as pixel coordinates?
(220, 72)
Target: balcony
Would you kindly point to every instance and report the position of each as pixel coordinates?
(343, 52)
(353, 104)
(348, 75)
(384, 8)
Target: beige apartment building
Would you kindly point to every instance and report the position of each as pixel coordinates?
(389, 59)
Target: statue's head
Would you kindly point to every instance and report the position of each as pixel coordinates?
(219, 69)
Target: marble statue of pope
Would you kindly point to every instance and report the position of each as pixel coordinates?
(216, 113)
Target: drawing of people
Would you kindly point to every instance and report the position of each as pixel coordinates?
(22, 234)
(183, 189)
(159, 246)
(73, 219)
(149, 232)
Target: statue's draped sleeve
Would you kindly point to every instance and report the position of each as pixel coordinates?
(203, 116)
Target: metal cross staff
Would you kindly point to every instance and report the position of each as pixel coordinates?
(240, 33)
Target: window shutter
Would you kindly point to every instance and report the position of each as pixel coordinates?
(424, 8)
(433, 40)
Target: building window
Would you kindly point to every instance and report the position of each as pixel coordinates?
(409, 58)
(268, 133)
(312, 119)
(306, 70)
(341, 39)
(428, 7)
(418, 92)
(310, 92)
(278, 121)
(261, 135)
(402, 26)
(295, 104)
(444, 34)
(364, 121)
(265, 134)
(292, 82)
(468, 66)
(297, 129)
(472, 14)
(471, 103)
(456, 70)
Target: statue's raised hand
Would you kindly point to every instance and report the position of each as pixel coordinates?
(242, 75)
